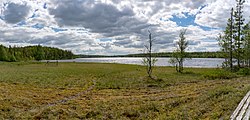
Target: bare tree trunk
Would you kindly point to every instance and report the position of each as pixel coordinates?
(149, 60)
(249, 63)
(150, 54)
(176, 68)
(181, 65)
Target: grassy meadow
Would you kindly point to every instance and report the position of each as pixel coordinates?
(27, 91)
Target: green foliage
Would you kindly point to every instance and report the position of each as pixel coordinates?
(235, 42)
(12, 58)
(246, 34)
(226, 43)
(219, 74)
(179, 55)
(244, 71)
(39, 55)
(13, 54)
(3, 54)
(238, 31)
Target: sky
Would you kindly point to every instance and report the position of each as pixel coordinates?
(112, 27)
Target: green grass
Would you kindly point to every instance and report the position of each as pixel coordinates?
(120, 92)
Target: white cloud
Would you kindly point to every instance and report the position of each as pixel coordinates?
(14, 12)
(216, 13)
(78, 25)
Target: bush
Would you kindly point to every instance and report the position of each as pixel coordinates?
(244, 71)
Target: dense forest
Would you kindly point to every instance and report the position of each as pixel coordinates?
(13, 54)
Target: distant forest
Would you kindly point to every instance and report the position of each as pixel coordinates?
(164, 54)
(13, 54)
(38, 52)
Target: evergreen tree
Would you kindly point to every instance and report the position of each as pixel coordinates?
(226, 42)
(223, 42)
(246, 36)
(239, 22)
(3, 54)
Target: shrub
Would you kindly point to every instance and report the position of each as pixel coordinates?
(244, 71)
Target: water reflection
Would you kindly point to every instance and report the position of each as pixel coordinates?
(194, 62)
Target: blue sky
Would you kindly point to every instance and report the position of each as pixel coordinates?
(184, 21)
(111, 26)
(187, 21)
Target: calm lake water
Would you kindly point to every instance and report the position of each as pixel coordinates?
(194, 62)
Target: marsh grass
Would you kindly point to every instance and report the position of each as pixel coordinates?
(121, 92)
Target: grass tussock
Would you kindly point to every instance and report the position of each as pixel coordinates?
(120, 92)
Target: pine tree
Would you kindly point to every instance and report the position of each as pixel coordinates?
(230, 37)
(246, 37)
(226, 42)
(239, 21)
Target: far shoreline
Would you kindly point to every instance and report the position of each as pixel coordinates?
(162, 61)
(159, 55)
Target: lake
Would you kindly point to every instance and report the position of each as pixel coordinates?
(194, 62)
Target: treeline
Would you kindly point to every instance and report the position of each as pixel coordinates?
(163, 54)
(189, 54)
(13, 54)
(92, 56)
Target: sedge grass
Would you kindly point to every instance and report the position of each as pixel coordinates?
(121, 92)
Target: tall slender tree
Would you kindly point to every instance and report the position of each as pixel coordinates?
(246, 37)
(239, 22)
(226, 42)
(149, 61)
(231, 47)
(180, 54)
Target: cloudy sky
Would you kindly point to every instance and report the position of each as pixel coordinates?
(114, 26)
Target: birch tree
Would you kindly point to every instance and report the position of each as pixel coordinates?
(180, 54)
